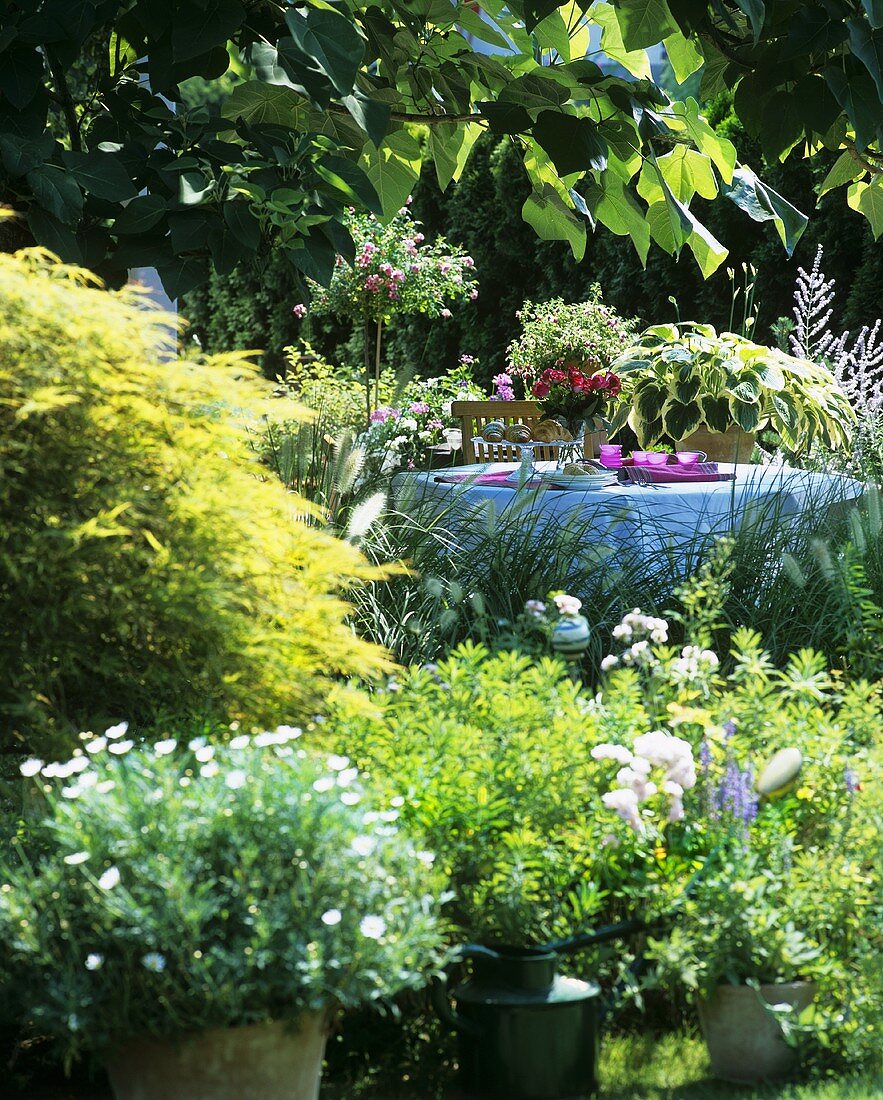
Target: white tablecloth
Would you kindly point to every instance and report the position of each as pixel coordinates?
(680, 519)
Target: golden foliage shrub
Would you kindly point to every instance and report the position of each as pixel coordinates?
(148, 569)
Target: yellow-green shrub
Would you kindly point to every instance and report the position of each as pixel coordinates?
(146, 566)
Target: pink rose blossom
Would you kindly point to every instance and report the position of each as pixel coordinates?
(446, 313)
(300, 310)
(473, 294)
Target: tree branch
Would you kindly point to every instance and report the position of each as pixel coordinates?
(431, 120)
(869, 166)
(65, 99)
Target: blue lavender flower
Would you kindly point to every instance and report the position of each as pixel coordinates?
(850, 779)
(729, 727)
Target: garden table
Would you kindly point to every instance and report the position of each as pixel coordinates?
(674, 522)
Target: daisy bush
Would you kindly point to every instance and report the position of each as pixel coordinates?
(173, 887)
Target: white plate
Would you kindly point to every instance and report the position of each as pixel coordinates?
(581, 481)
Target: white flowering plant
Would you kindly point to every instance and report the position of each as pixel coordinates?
(174, 887)
(401, 436)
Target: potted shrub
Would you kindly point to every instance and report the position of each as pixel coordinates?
(194, 915)
(586, 336)
(687, 385)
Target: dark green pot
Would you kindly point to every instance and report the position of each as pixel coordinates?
(526, 1032)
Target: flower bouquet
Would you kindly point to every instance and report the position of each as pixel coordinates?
(570, 394)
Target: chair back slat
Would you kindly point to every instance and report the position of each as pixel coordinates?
(475, 415)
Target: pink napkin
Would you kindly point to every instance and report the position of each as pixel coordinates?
(701, 471)
(498, 477)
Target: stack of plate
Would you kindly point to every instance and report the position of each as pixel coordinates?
(595, 479)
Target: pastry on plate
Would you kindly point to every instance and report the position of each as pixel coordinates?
(519, 433)
(494, 431)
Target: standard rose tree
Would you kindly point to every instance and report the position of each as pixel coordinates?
(393, 271)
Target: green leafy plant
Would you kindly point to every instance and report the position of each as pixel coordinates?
(679, 377)
(147, 561)
(581, 336)
(519, 824)
(173, 888)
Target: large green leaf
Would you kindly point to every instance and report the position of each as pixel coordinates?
(57, 192)
(202, 25)
(616, 207)
(181, 274)
(572, 143)
(811, 30)
(867, 45)
(707, 250)
(763, 204)
(867, 198)
(745, 413)
(874, 11)
(687, 172)
(553, 220)
(242, 223)
(393, 170)
(756, 12)
(257, 103)
(370, 114)
(720, 149)
(54, 235)
(684, 55)
(680, 420)
(140, 215)
(634, 61)
(844, 170)
(349, 180)
(189, 229)
(21, 75)
(644, 22)
(331, 42)
(450, 146)
(856, 93)
(19, 155)
(781, 127)
(101, 174)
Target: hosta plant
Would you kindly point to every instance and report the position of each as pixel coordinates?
(173, 887)
(677, 378)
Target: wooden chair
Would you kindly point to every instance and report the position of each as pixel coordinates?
(474, 415)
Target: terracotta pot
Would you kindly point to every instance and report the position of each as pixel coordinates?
(744, 1040)
(273, 1061)
(733, 445)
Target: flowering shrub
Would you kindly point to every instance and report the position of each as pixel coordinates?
(580, 336)
(174, 887)
(401, 435)
(394, 271)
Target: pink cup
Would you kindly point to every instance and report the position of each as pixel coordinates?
(657, 458)
(640, 458)
(611, 455)
(688, 458)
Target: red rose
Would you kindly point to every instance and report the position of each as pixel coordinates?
(613, 384)
(577, 379)
(541, 389)
(555, 376)
(596, 382)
